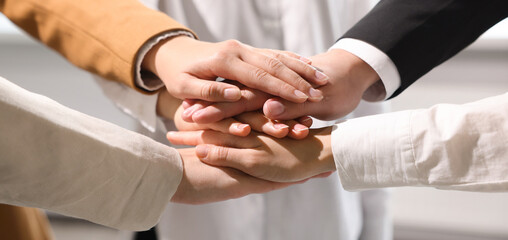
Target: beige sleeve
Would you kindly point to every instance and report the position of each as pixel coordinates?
(55, 158)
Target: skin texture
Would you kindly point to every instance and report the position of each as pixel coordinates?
(342, 94)
(202, 183)
(189, 67)
(262, 156)
(241, 125)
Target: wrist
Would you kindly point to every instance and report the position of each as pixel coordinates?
(325, 159)
(167, 105)
(360, 74)
(155, 57)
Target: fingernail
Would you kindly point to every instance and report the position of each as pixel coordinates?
(280, 126)
(242, 126)
(300, 128)
(321, 77)
(315, 94)
(305, 60)
(275, 108)
(300, 94)
(202, 151)
(232, 94)
(188, 111)
(305, 119)
(186, 105)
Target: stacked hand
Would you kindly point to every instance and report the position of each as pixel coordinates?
(241, 126)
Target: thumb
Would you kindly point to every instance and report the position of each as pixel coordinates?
(280, 109)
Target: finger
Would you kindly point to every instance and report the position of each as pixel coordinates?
(259, 77)
(251, 100)
(258, 122)
(305, 120)
(187, 103)
(207, 90)
(226, 157)
(282, 67)
(296, 130)
(309, 73)
(193, 138)
(293, 55)
(228, 125)
(279, 109)
(187, 113)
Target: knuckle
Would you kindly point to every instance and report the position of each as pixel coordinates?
(210, 91)
(221, 56)
(252, 163)
(221, 153)
(232, 44)
(259, 75)
(278, 55)
(275, 65)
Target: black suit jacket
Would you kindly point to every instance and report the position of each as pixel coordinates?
(418, 35)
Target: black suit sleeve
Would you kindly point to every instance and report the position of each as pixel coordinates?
(418, 35)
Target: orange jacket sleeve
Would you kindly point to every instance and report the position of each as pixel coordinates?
(100, 36)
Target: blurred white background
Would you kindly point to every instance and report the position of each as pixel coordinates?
(419, 213)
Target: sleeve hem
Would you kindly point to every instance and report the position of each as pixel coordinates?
(379, 61)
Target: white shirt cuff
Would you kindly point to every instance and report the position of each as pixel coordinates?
(150, 82)
(379, 61)
(140, 106)
(375, 151)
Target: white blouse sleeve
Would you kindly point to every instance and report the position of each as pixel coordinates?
(460, 147)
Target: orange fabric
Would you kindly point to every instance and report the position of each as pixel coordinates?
(22, 223)
(99, 36)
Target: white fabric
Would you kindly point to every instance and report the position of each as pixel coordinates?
(318, 209)
(460, 147)
(55, 158)
(379, 61)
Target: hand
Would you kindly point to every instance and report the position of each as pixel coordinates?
(241, 125)
(189, 67)
(280, 160)
(202, 183)
(172, 108)
(350, 77)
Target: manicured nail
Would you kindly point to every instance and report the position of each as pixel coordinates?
(305, 119)
(315, 94)
(242, 126)
(232, 94)
(300, 94)
(190, 110)
(299, 128)
(186, 104)
(202, 151)
(279, 126)
(321, 77)
(275, 108)
(305, 60)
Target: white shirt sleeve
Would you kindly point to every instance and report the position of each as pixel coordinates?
(55, 158)
(140, 106)
(460, 147)
(379, 61)
(148, 81)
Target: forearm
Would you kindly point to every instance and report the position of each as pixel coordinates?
(58, 159)
(102, 37)
(461, 147)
